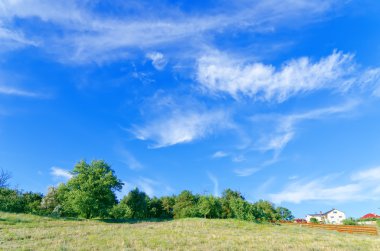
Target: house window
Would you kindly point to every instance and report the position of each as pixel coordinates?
(331, 217)
(340, 216)
(335, 212)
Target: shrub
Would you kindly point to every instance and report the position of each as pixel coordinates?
(314, 220)
(350, 221)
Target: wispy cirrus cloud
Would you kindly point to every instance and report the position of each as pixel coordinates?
(128, 159)
(58, 172)
(87, 35)
(182, 126)
(215, 183)
(281, 129)
(220, 74)
(285, 125)
(150, 186)
(363, 185)
(11, 91)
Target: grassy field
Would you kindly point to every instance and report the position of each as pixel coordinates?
(26, 232)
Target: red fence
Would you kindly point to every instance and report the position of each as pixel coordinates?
(371, 230)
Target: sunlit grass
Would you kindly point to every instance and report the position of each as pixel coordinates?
(27, 232)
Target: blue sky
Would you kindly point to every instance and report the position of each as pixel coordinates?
(276, 99)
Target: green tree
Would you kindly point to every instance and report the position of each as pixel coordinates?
(209, 207)
(50, 200)
(32, 202)
(265, 211)
(284, 214)
(11, 200)
(138, 202)
(155, 208)
(185, 205)
(121, 211)
(91, 191)
(228, 198)
(167, 206)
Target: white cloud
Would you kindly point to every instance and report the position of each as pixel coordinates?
(182, 127)
(218, 73)
(219, 154)
(243, 172)
(372, 174)
(87, 35)
(5, 90)
(215, 183)
(158, 60)
(363, 185)
(149, 186)
(13, 39)
(61, 173)
(285, 125)
(128, 159)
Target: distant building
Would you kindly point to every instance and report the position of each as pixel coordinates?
(370, 216)
(334, 216)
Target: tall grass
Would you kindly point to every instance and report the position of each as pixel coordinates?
(27, 232)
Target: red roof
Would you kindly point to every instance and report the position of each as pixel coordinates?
(370, 215)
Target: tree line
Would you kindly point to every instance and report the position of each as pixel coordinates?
(91, 193)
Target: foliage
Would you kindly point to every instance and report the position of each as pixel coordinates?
(91, 191)
(50, 200)
(32, 202)
(11, 200)
(350, 221)
(284, 214)
(121, 211)
(137, 201)
(209, 207)
(185, 205)
(314, 220)
(227, 199)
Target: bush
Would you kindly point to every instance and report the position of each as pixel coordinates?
(11, 201)
(314, 220)
(350, 221)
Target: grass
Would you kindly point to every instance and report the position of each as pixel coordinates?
(28, 232)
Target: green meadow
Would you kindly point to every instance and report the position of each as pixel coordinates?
(29, 232)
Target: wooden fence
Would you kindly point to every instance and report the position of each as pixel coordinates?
(371, 230)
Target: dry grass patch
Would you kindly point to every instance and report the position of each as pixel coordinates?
(26, 232)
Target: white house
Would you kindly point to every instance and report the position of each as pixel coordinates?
(334, 216)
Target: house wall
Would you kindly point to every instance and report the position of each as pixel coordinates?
(335, 217)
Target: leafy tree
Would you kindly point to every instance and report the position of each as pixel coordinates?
(185, 205)
(167, 206)
(91, 191)
(265, 211)
(138, 202)
(155, 208)
(5, 176)
(210, 207)
(241, 209)
(227, 199)
(121, 211)
(11, 200)
(284, 213)
(32, 202)
(50, 201)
